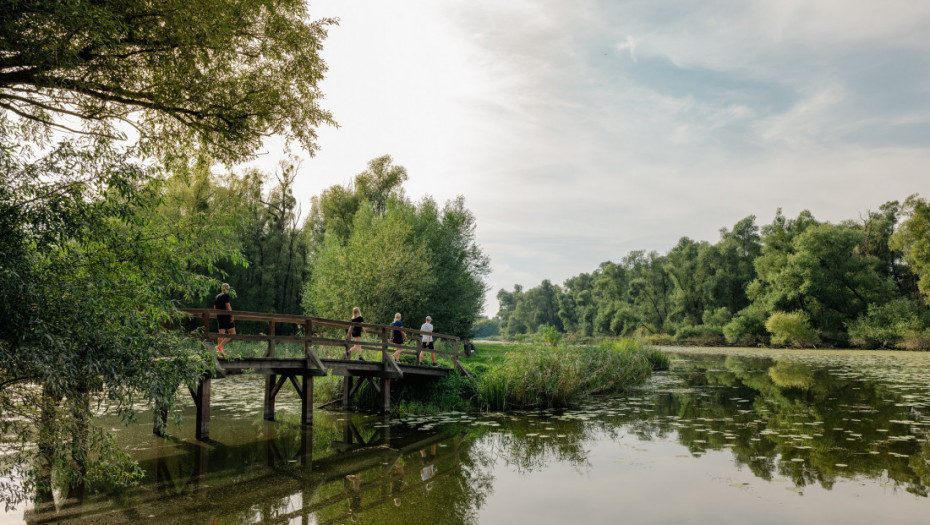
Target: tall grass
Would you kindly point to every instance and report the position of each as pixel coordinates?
(556, 376)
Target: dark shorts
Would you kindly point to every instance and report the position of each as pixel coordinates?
(428, 345)
(225, 322)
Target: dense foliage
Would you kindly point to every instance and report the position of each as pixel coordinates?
(373, 248)
(793, 282)
(103, 229)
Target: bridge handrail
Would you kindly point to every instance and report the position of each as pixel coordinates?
(310, 322)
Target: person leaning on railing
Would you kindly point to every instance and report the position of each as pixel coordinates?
(356, 333)
(398, 337)
(427, 342)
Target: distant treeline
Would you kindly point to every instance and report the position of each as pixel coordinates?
(793, 282)
(364, 245)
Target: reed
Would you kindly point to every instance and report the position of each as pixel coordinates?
(531, 376)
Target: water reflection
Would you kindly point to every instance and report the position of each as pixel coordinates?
(719, 430)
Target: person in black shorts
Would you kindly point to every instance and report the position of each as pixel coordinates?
(427, 342)
(225, 322)
(356, 333)
(398, 337)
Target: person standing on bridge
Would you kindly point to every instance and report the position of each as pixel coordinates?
(225, 322)
(356, 333)
(427, 342)
(398, 337)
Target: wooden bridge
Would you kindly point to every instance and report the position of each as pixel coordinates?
(299, 371)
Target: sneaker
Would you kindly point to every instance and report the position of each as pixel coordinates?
(435, 365)
(360, 358)
(348, 355)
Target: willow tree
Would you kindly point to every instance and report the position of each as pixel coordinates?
(97, 98)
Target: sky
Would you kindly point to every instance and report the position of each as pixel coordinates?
(580, 131)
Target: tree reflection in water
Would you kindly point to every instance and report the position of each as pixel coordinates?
(782, 418)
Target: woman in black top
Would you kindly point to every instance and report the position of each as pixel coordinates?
(225, 322)
(356, 333)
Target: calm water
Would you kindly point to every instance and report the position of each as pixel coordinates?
(726, 436)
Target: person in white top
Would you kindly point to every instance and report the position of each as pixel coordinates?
(427, 341)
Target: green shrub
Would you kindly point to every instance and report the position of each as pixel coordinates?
(548, 335)
(915, 340)
(791, 329)
(746, 328)
(886, 325)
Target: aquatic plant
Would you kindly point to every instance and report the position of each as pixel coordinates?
(557, 376)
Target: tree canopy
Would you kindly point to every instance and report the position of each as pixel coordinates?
(219, 73)
(111, 114)
(808, 281)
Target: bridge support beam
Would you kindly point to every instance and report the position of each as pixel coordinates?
(347, 391)
(270, 393)
(306, 400)
(386, 396)
(202, 401)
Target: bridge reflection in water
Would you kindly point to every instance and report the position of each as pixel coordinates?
(276, 480)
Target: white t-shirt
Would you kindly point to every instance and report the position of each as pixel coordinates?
(427, 327)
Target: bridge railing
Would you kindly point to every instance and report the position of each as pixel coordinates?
(312, 327)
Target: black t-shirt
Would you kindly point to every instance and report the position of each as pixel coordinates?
(397, 336)
(221, 301)
(357, 330)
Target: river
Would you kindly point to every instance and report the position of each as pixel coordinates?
(726, 436)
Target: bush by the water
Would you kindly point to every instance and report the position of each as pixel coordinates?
(746, 328)
(887, 325)
(532, 376)
(791, 329)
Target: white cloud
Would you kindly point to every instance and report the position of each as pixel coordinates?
(628, 44)
(570, 154)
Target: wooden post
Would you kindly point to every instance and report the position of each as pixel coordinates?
(270, 381)
(308, 335)
(455, 355)
(306, 400)
(347, 393)
(384, 343)
(386, 395)
(270, 351)
(203, 409)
